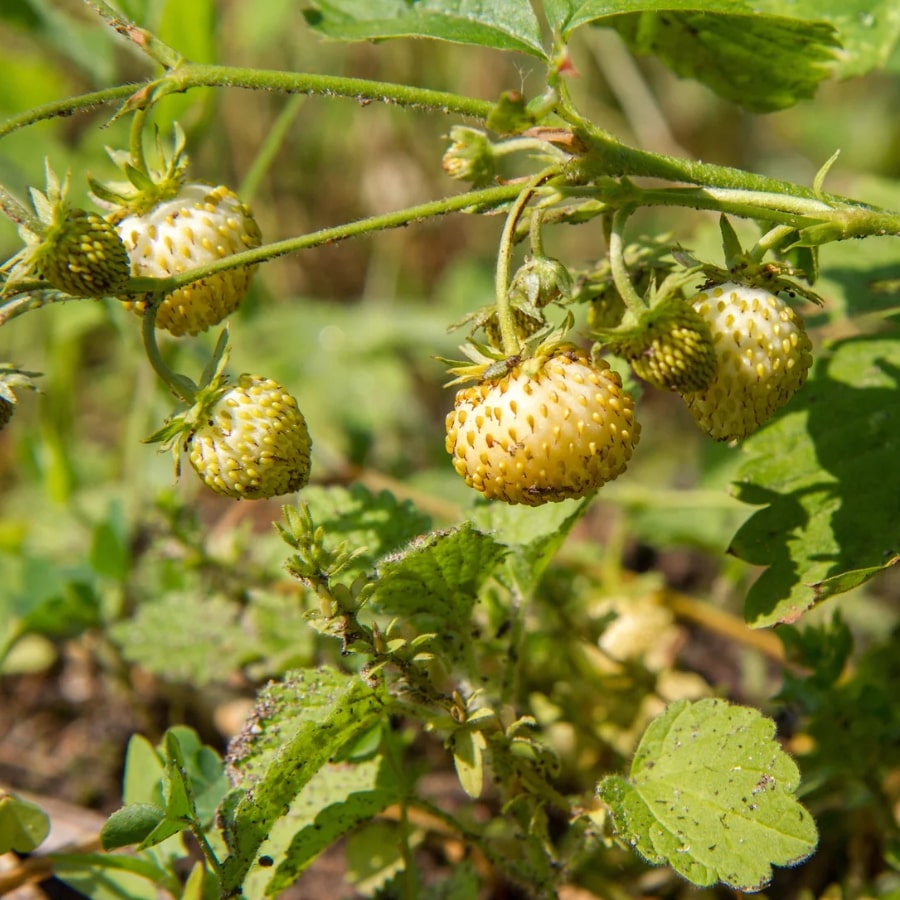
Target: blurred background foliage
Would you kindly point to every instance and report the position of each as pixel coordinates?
(102, 551)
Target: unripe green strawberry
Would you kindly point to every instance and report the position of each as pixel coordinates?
(763, 354)
(551, 428)
(253, 442)
(670, 347)
(197, 226)
(605, 309)
(83, 255)
(75, 251)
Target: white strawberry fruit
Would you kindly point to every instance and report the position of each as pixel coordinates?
(551, 428)
(763, 355)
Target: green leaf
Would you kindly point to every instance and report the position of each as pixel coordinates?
(533, 534)
(298, 725)
(488, 23)
(374, 856)
(109, 551)
(468, 746)
(827, 475)
(336, 800)
(438, 577)
(23, 825)
(376, 523)
(132, 824)
(113, 876)
(209, 644)
(711, 793)
(142, 782)
(868, 30)
(721, 43)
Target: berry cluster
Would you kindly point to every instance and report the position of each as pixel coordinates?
(557, 424)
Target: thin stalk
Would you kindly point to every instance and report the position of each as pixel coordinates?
(67, 107)
(190, 75)
(472, 200)
(536, 232)
(501, 279)
(633, 300)
(269, 147)
(136, 140)
(180, 385)
(771, 240)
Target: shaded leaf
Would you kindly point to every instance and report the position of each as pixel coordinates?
(488, 23)
(868, 30)
(438, 577)
(711, 793)
(719, 43)
(826, 474)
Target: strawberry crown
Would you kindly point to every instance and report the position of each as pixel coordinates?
(144, 186)
(13, 378)
(40, 229)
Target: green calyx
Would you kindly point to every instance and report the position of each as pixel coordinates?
(669, 346)
(144, 186)
(74, 251)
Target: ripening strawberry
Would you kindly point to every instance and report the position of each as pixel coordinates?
(252, 442)
(551, 428)
(75, 251)
(670, 347)
(763, 357)
(197, 226)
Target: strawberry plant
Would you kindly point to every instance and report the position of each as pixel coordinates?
(545, 638)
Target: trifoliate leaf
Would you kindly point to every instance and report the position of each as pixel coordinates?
(828, 477)
(488, 23)
(438, 577)
(718, 42)
(297, 726)
(711, 793)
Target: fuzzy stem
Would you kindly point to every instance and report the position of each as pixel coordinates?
(180, 385)
(536, 232)
(189, 75)
(136, 140)
(771, 240)
(633, 301)
(67, 107)
(501, 281)
(473, 200)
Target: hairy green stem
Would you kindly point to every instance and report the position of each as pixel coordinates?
(473, 200)
(623, 284)
(501, 280)
(180, 385)
(67, 107)
(190, 75)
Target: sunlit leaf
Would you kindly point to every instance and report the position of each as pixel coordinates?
(489, 23)
(23, 825)
(711, 793)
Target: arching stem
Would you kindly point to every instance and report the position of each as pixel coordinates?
(180, 385)
(504, 254)
(629, 295)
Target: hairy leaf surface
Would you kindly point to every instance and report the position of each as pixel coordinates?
(711, 793)
(489, 23)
